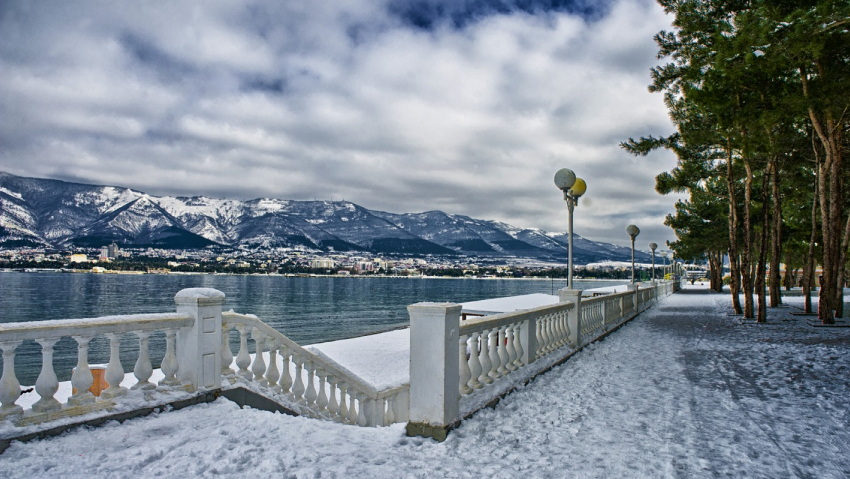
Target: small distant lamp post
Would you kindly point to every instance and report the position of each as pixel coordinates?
(633, 231)
(652, 246)
(573, 188)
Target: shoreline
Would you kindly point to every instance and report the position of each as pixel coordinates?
(293, 275)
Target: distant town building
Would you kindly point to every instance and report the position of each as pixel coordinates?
(322, 263)
(104, 252)
(79, 258)
(112, 251)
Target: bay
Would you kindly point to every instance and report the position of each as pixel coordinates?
(307, 310)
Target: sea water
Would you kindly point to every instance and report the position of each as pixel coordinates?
(307, 310)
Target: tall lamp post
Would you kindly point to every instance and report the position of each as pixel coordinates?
(573, 188)
(633, 231)
(652, 246)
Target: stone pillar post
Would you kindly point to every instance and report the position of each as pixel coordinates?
(574, 315)
(434, 369)
(528, 341)
(634, 297)
(199, 346)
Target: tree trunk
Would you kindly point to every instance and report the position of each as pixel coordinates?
(718, 273)
(831, 199)
(775, 243)
(734, 281)
(809, 265)
(746, 254)
(715, 265)
(839, 287)
(761, 269)
(788, 274)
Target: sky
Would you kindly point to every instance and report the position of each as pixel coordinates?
(464, 106)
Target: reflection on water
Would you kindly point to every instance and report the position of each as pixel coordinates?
(308, 310)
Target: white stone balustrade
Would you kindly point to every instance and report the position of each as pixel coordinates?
(312, 384)
(457, 367)
(451, 362)
(198, 313)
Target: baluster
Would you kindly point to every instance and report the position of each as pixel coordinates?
(298, 387)
(510, 332)
(549, 330)
(474, 363)
(389, 416)
(603, 313)
(495, 360)
(554, 335)
(343, 404)
(47, 384)
(286, 378)
(226, 353)
(322, 400)
(518, 346)
(115, 371)
(503, 351)
(259, 366)
(352, 411)
(143, 369)
(243, 359)
(169, 363)
(362, 420)
(379, 412)
(558, 334)
(400, 406)
(82, 378)
(333, 405)
(465, 374)
(484, 359)
(310, 394)
(10, 388)
(272, 374)
(542, 339)
(551, 333)
(564, 320)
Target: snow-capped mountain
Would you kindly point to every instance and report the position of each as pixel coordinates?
(42, 212)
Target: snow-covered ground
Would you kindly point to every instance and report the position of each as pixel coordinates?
(684, 390)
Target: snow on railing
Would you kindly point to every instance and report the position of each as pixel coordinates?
(455, 367)
(197, 357)
(82, 401)
(458, 367)
(311, 384)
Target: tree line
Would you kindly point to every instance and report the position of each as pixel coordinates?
(759, 93)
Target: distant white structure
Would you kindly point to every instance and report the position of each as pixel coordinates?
(79, 258)
(322, 263)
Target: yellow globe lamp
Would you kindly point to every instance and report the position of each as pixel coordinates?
(579, 187)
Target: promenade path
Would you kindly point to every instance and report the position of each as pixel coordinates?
(684, 390)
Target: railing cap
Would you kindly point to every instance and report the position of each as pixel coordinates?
(199, 296)
(448, 307)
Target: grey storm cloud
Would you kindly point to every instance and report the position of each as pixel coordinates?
(404, 106)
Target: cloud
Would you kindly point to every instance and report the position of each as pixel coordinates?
(464, 106)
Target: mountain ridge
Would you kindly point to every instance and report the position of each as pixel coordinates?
(53, 213)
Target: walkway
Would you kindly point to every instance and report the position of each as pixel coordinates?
(681, 391)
